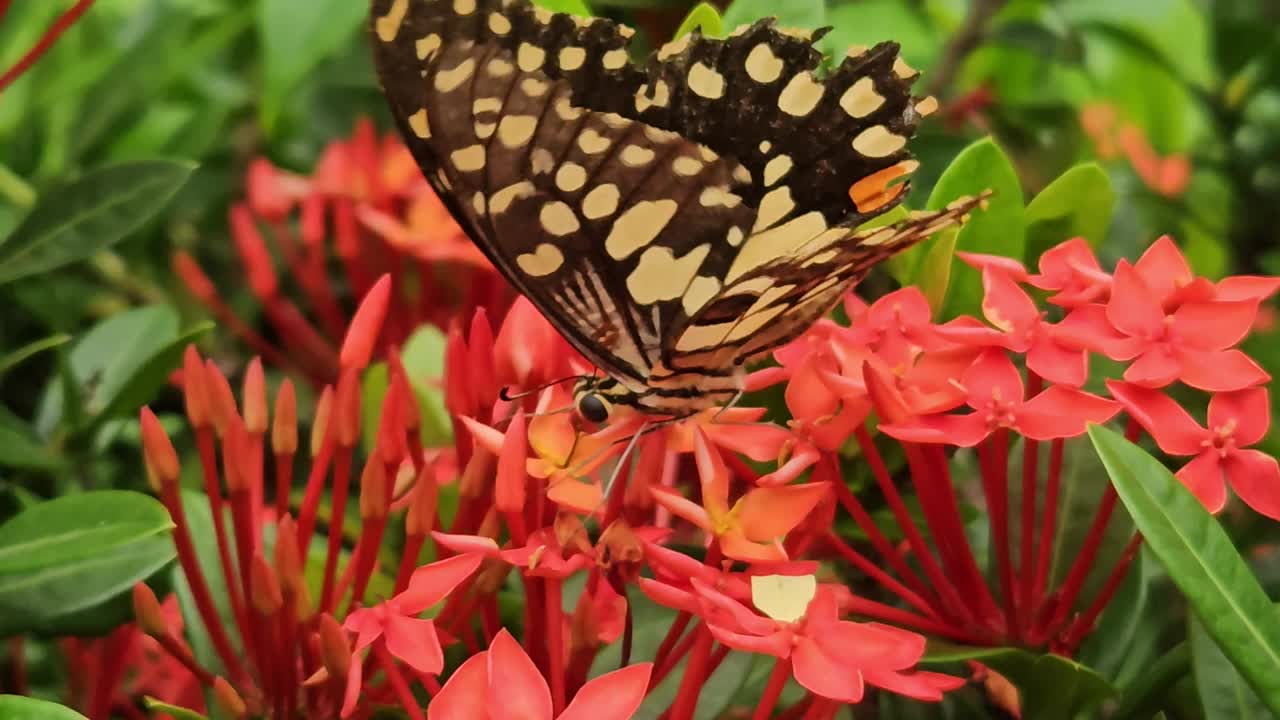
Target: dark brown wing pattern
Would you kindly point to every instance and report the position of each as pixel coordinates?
(635, 205)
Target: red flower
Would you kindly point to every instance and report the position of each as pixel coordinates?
(831, 657)
(996, 393)
(502, 683)
(1236, 420)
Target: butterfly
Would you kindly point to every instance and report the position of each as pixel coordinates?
(673, 219)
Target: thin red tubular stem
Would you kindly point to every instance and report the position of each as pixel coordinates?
(284, 483)
(673, 658)
(288, 621)
(396, 680)
(337, 519)
(205, 442)
(900, 514)
(773, 689)
(1084, 563)
(1048, 524)
(182, 654)
(898, 616)
(673, 636)
(409, 561)
(874, 572)
(251, 631)
(695, 676)
(111, 669)
(315, 488)
(366, 558)
(1085, 622)
(46, 41)
(1026, 529)
(555, 642)
(256, 484)
(994, 455)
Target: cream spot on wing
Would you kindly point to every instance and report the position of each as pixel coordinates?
(661, 96)
(450, 80)
(601, 202)
(572, 57)
(468, 159)
(543, 261)
(861, 99)
(571, 177)
(700, 292)
(776, 205)
(927, 106)
(822, 257)
(638, 226)
(428, 46)
(762, 65)
(877, 141)
(484, 130)
(533, 87)
(823, 240)
(705, 81)
(716, 197)
(516, 130)
(696, 337)
(801, 95)
(542, 14)
(658, 135)
(673, 48)
(614, 59)
(592, 142)
(530, 57)
(478, 204)
(742, 175)
(464, 7)
(754, 286)
(558, 219)
(765, 147)
(636, 156)
(566, 111)
(903, 70)
(388, 26)
(879, 237)
(767, 246)
(752, 323)
(820, 288)
(777, 169)
(498, 67)
(499, 24)
(502, 199)
(614, 120)
(419, 124)
(735, 236)
(687, 166)
(857, 51)
(541, 161)
(660, 275)
(486, 104)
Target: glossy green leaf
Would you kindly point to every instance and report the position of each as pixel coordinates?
(1117, 636)
(997, 230)
(73, 528)
(373, 392)
(1077, 204)
(295, 36)
(76, 219)
(107, 360)
(807, 14)
(1224, 695)
(573, 7)
(21, 449)
(868, 22)
(1058, 688)
(20, 707)
(1201, 560)
(140, 387)
(705, 18)
(1173, 30)
(423, 358)
(933, 276)
(1151, 687)
(163, 709)
(31, 349)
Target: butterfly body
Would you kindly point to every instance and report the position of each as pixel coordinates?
(673, 220)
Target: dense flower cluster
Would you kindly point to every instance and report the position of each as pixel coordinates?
(545, 503)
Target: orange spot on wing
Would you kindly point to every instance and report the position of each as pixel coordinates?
(875, 191)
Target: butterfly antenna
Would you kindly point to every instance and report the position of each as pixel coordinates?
(520, 396)
(607, 490)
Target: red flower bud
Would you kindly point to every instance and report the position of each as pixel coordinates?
(320, 425)
(346, 409)
(509, 492)
(253, 253)
(335, 650)
(195, 389)
(365, 326)
(422, 507)
(228, 700)
(266, 596)
(157, 450)
(147, 612)
(284, 424)
(255, 398)
(373, 490)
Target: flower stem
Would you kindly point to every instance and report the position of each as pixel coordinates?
(1048, 523)
(111, 669)
(59, 26)
(1084, 563)
(773, 689)
(874, 572)
(994, 458)
(673, 636)
(695, 676)
(337, 518)
(396, 680)
(284, 482)
(555, 642)
(315, 488)
(1083, 624)
(205, 442)
(1026, 529)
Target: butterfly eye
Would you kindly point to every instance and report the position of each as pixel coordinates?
(593, 408)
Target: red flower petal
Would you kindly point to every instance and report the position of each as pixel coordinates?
(366, 623)
(1255, 476)
(467, 543)
(824, 675)
(712, 473)
(759, 441)
(612, 696)
(1163, 268)
(463, 697)
(1134, 308)
(1214, 325)
(958, 430)
(355, 682)
(1203, 477)
(1058, 364)
(776, 644)
(1087, 327)
(1005, 265)
(432, 583)
(517, 690)
(415, 643)
(919, 685)
(1155, 368)
(1005, 304)
(1247, 287)
(993, 376)
(669, 596)
(366, 326)
(863, 645)
(768, 513)
(1063, 412)
(1165, 420)
(1220, 371)
(1247, 411)
(736, 546)
(510, 487)
(681, 506)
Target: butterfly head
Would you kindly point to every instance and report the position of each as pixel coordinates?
(595, 398)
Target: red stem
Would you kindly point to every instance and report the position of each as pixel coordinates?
(409, 561)
(1084, 563)
(1026, 530)
(396, 680)
(1048, 524)
(182, 654)
(337, 518)
(205, 442)
(251, 634)
(673, 658)
(315, 488)
(673, 636)
(284, 483)
(366, 558)
(289, 652)
(115, 647)
(1083, 624)
(773, 689)
(994, 458)
(874, 572)
(898, 616)
(695, 676)
(555, 642)
(59, 26)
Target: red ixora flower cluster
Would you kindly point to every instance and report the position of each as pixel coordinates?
(368, 206)
(725, 523)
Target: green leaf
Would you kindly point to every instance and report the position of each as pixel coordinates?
(78, 218)
(1054, 686)
(73, 528)
(148, 378)
(573, 7)
(1201, 560)
(1077, 204)
(20, 707)
(373, 391)
(107, 361)
(933, 276)
(19, 447)
(296, 35)
(705, 18)
(868, 22)
(1223, 693)
(423, 358)
(807, 14)
(1173, 30)
(1151, 687)
(177, 712)
(16, 357)
(997, 230)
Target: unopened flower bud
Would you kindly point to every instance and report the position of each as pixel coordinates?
(147, 612)
(335, 649)
(373, 490)
(157, 450)
(365, 326)
(222, 401)
(265, 591)
(195, 389)
(228, 700)
(422, 507)
(320, 426)
(346, 410)
(284, 424)
(255, 398)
